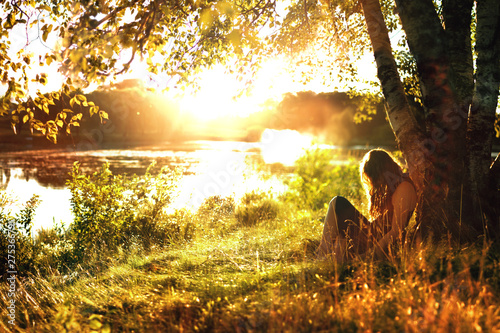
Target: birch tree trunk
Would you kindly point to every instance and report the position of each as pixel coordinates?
(402, 120)
(434, 150)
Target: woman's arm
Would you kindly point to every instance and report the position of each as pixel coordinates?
(404, 201)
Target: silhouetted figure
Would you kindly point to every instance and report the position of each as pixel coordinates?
(392, 199)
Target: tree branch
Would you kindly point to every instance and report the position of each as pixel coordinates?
(495, 168)
(401, 118)
(111, 14)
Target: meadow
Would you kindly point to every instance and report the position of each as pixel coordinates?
(127, 263)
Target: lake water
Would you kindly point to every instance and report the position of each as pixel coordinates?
(210, 168)
(225, 168)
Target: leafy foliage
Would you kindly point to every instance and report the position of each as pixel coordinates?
(115, 212)
(215, 215)
(177, 39)
(18, 250)
(317, 180)
(256, 207)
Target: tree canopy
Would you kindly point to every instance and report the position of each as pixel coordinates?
(95, 41)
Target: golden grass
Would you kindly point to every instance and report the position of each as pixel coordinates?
(264, 278)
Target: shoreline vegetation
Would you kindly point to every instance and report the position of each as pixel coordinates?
(128, 264)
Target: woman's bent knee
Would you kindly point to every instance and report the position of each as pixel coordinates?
(336, 199)
(341, 204)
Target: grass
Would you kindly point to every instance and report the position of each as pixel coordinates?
(230, 275)
(255, 280)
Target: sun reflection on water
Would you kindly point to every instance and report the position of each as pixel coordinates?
(283, 146)
(222, 173)
(54, 205)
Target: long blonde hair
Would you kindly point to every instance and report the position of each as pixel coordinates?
(380, 174)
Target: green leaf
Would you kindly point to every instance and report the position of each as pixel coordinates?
(103, 115)
(52, 137)
(106, 328)
(81, 98)
(75, 56)
(45, 7)
(20, 93)
(11, 19)
(45, 33)
(73, 101)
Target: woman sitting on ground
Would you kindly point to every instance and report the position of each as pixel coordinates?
(392, 201)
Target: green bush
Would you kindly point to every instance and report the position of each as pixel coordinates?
(54, 249)
(215, 216)
(317, 180)
(116, 211)
(216, 209)
(256, 207)
(17, 248)
(183, 218)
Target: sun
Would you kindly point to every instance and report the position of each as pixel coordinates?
(215, 97)
(218, 91)
(220, 94)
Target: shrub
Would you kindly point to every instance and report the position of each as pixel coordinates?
(217, 214)
(216, 209)
(17, 248)
(97, 202)
(256, 207)
(55, 250)
(148, 198)
(184, 219)
(115, 211)
(317, 179)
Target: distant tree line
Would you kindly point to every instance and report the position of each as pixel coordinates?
(138, 115)
(337, 117)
